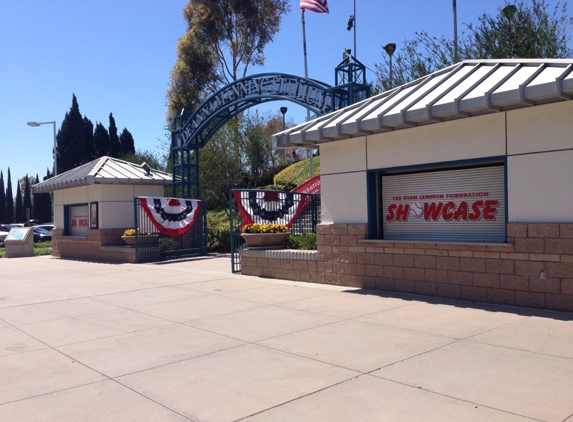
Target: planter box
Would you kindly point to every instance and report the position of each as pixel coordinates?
(265, 240)
(144, 240)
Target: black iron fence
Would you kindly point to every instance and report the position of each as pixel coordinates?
(299, 211)
(152, 245)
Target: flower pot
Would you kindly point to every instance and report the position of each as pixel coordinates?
(265, 240)
(143, 240)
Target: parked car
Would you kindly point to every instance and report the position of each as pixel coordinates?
(45, 226)
(3, 234)
(41, 235)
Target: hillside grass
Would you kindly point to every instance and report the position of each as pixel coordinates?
(295, 174)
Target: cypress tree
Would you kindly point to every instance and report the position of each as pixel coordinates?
(115, 146)
(71, 148)
(127, 142)
(2, 199)
(101, 140)
(46, 200)
(28, 198)
(37, 203)
(91, 152)
(20, 217)
(9, 200)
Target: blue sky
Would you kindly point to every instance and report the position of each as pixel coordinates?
(116, 56)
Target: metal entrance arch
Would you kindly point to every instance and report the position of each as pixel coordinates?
(192, 132)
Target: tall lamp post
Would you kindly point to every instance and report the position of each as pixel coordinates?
(283, 111)
(455, 12)
(390, 48)
(36, 124)
(509, 12)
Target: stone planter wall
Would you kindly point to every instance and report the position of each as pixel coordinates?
(510, 273)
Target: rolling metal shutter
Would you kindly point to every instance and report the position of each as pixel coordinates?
(466, 205)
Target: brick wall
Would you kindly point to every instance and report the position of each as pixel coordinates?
(104, 245)
(495, 273)
(286, 265)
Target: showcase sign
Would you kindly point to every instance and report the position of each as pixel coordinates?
(463, 205)
(79, 220)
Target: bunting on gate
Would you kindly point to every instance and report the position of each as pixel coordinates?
(171, 216)
(268, 207)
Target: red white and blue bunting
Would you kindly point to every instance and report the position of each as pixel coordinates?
(268, 207)
(171, 216)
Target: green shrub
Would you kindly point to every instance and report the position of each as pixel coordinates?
(167, 244)
(218, 231)
(305, 241)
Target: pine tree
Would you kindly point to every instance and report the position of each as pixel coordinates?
(20, 217)
(71, 147)
(114, 144)
(89, 138)
(127, 142)
(101, 140)
(9, 200)
(2, 199)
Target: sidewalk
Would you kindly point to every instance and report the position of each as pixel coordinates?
(189, 341)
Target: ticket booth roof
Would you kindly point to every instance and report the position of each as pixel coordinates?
(105, 170)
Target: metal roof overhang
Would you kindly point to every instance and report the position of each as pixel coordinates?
(470, 88)
(105, 171)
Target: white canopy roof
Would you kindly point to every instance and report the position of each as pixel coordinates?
(104, 170)
(466, 89)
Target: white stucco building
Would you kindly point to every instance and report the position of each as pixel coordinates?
(94, 204)
(459, 184)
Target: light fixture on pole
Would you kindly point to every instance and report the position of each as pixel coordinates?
(283, 111)
(352, 24)
(54, 151)
(509, 11)
(390, 48)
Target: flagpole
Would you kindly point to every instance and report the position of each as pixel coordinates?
(304, 42)
(306, 76)
(355, 31)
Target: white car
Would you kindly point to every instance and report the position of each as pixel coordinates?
(3, 235)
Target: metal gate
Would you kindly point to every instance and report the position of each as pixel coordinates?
(151, 245)
(304, 222)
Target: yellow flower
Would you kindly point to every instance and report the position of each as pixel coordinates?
(265, 228)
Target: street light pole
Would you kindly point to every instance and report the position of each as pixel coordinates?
(509, 12)
(55, 152)
(390, 48)
(283, 111)
(455, 11)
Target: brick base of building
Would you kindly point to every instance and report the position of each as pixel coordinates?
(102, 245)
(533, 269)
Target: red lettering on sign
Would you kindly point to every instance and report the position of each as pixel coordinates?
(434, 211)
(447, 213)
(462, 212)
(476, 211)
(490, 209)
(398, 212)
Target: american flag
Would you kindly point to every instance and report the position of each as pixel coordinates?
(318, 6)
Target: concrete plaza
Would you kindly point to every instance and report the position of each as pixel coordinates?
(189, 341)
